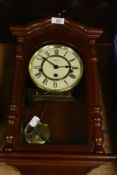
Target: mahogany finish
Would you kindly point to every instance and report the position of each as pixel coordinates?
(64, 155)
(51, 164)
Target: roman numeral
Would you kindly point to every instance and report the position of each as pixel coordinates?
(39, 57)
(47, 53)
(38, 75)
(65, 53)
(36, 67)
(73, 67)
(66, 82)
(72, 59)
(56, 52)
(45, 81)
(72, 76)
(54, 84)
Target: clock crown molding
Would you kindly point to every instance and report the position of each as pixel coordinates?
(46, 24)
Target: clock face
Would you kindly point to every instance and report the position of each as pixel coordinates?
(55, 68)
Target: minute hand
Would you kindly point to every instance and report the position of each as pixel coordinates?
(47, 60)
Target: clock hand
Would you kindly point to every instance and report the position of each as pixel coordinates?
(73, 67)
(57, 66)
(49, 61)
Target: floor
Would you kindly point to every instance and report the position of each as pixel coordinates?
(8, 170)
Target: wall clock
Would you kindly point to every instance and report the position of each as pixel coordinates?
(54, 119)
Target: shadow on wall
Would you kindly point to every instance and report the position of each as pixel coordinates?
(109, 93)
(20, 12)
(7, 56)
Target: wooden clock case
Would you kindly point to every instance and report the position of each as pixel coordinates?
(66, 155)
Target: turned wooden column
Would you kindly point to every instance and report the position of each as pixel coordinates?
(95, 100)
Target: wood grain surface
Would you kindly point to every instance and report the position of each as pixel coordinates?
(6, 52)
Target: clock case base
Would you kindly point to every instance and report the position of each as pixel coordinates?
(67, 164)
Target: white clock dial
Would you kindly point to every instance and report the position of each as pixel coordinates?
(55, 68)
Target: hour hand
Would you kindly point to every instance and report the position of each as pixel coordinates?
(68, 66)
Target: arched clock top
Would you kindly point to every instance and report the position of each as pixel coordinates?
(46, 24)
